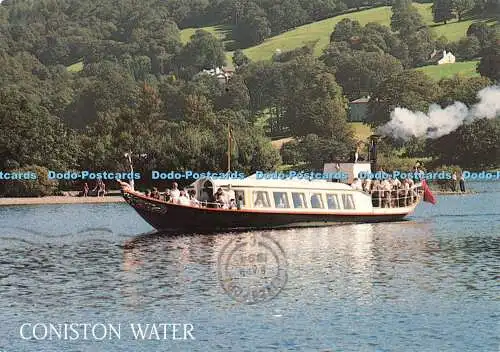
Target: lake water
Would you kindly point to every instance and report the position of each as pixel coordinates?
(427, 284)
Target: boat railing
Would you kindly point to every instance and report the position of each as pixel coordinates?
(397, 197)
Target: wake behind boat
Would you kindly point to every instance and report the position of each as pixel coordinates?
(264, 204)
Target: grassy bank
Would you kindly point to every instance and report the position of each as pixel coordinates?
(436, 72)
(321, 31)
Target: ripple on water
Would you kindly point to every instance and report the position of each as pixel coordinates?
(430, 283)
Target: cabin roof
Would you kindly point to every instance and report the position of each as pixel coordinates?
(252, 181)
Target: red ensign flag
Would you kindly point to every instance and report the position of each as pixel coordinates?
(428, 196)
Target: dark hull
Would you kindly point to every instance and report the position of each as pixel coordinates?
(172, 217)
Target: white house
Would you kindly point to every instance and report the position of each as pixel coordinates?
(221, 73)
(443, 58)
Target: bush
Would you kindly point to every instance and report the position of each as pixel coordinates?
(291, 153)
(29, 188)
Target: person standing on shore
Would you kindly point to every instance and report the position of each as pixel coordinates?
(454, 182)
(462, 183)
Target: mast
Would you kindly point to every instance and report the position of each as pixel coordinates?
(228, 148)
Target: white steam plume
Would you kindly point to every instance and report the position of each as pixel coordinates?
(438, 121)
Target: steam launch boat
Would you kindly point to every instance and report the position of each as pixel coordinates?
(259, 204)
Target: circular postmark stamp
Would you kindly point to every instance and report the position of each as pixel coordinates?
(252, 269)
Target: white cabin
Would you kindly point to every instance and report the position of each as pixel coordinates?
(301, 195)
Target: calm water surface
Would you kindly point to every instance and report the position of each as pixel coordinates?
(427, 284)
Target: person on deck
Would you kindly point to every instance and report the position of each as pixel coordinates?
(85, 189)
(175, 192)
(192, 198)
(356, 184)
(220, 198)
(231, 197)
(183, 199)
(166, 196)
(239, 203)
(155, 194)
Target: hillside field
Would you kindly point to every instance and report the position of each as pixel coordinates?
(321, 31)
(436, 72)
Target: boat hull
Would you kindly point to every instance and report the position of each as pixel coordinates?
(165, 216)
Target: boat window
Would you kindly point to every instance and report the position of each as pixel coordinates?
(299, 200)
(332, 200)
(237, 194)
(348, 201)
(281, 200)
(261, 199)
(317, 201)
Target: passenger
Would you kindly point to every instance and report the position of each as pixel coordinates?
(192, 198)
(148, 193)
(183, 199)
(376, 192)
(281, 202)
(397, 193)
(239, 203)
(259, 201)
(231, 197)
(411, 183)
(155, 194)
(212, 201)
(166, 196)
(220, 198)
(205, 195)
(406, 192)
(316, 201)
(356, 184)
(386, 192)
(175, 192)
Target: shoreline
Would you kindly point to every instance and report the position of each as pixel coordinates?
(60, 200)
(51, 200)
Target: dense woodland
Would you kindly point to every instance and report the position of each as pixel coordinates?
(140, 89)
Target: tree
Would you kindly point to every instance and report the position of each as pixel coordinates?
(420, 46)
(253, 26)
(285, 15)
(490, 62)
(203, 51)
(484, 33)
(468, 48)
(345, 30)
(462, 6)
(239, 58)
(475, 145)
(442, 10)
(31, 136)
(405, 18)
(317, 151)
(409, 89)
(461, 88)
(313, 100)
(359, 73)
(235, 97)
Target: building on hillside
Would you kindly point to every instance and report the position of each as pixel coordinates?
(358, 110)
(223, 74)
(444, 57)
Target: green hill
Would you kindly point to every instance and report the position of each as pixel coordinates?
(466, 68)
(321, 31)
